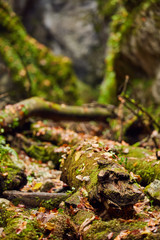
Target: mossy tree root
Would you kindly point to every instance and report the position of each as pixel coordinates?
(15, 114)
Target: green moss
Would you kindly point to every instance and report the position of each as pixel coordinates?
(11, 169)
(107, 8)
(11, 221)
(100, 229)
(44, 153)
(121, 25)
(81, 216)
(53, 203)
(33, 67)
(141, 162)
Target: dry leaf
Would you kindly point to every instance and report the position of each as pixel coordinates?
(37, 186)
(77, 155)
(50, 226)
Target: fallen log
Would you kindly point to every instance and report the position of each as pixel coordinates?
(107, 183)
(13, 115)
(36, 199)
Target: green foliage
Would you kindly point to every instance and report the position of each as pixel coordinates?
(6, 149)
(107, 8)
(33, 67)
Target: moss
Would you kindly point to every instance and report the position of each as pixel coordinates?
(11, 175)
(53, 203)
(107, 8)
(100, 229)
(44, 153)
(33, 67)
(81, 216)
(11, 221)
(121, 25)
(141, 162)
(63, 228)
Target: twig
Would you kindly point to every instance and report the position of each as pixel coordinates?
(138, 106)
(2, 95)
(121, 106)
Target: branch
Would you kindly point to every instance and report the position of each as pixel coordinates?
(14, 115)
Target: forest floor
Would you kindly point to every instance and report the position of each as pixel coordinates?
(46, 221)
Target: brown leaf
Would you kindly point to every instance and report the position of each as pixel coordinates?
(21, 226)
(110, 235)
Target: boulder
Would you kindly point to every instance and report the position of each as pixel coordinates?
(71, 28)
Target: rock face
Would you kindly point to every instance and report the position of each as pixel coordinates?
(139, 52)
(71, 28)
(133, 50)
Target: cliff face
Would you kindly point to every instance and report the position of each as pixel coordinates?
(71, 28)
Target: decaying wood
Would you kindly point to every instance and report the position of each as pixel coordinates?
(107, 183)
(15, 114)
(35, 199)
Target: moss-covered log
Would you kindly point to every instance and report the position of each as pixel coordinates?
(12, 175)
(107, 183)
(33, 67)
(13, 115)
(32, 199)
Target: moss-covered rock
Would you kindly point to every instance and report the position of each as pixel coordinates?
(12, 174)
(18, 226)
(34, 68)
(133, 23)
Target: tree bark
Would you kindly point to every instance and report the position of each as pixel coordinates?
(36, 199)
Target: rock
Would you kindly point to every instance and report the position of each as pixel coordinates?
(153, 190)
(71, 28)
(47, 185)
(133, 51)
(12, 175)
(139, 52)
(4, 202)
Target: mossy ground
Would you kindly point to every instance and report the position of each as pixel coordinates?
(11, 221)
